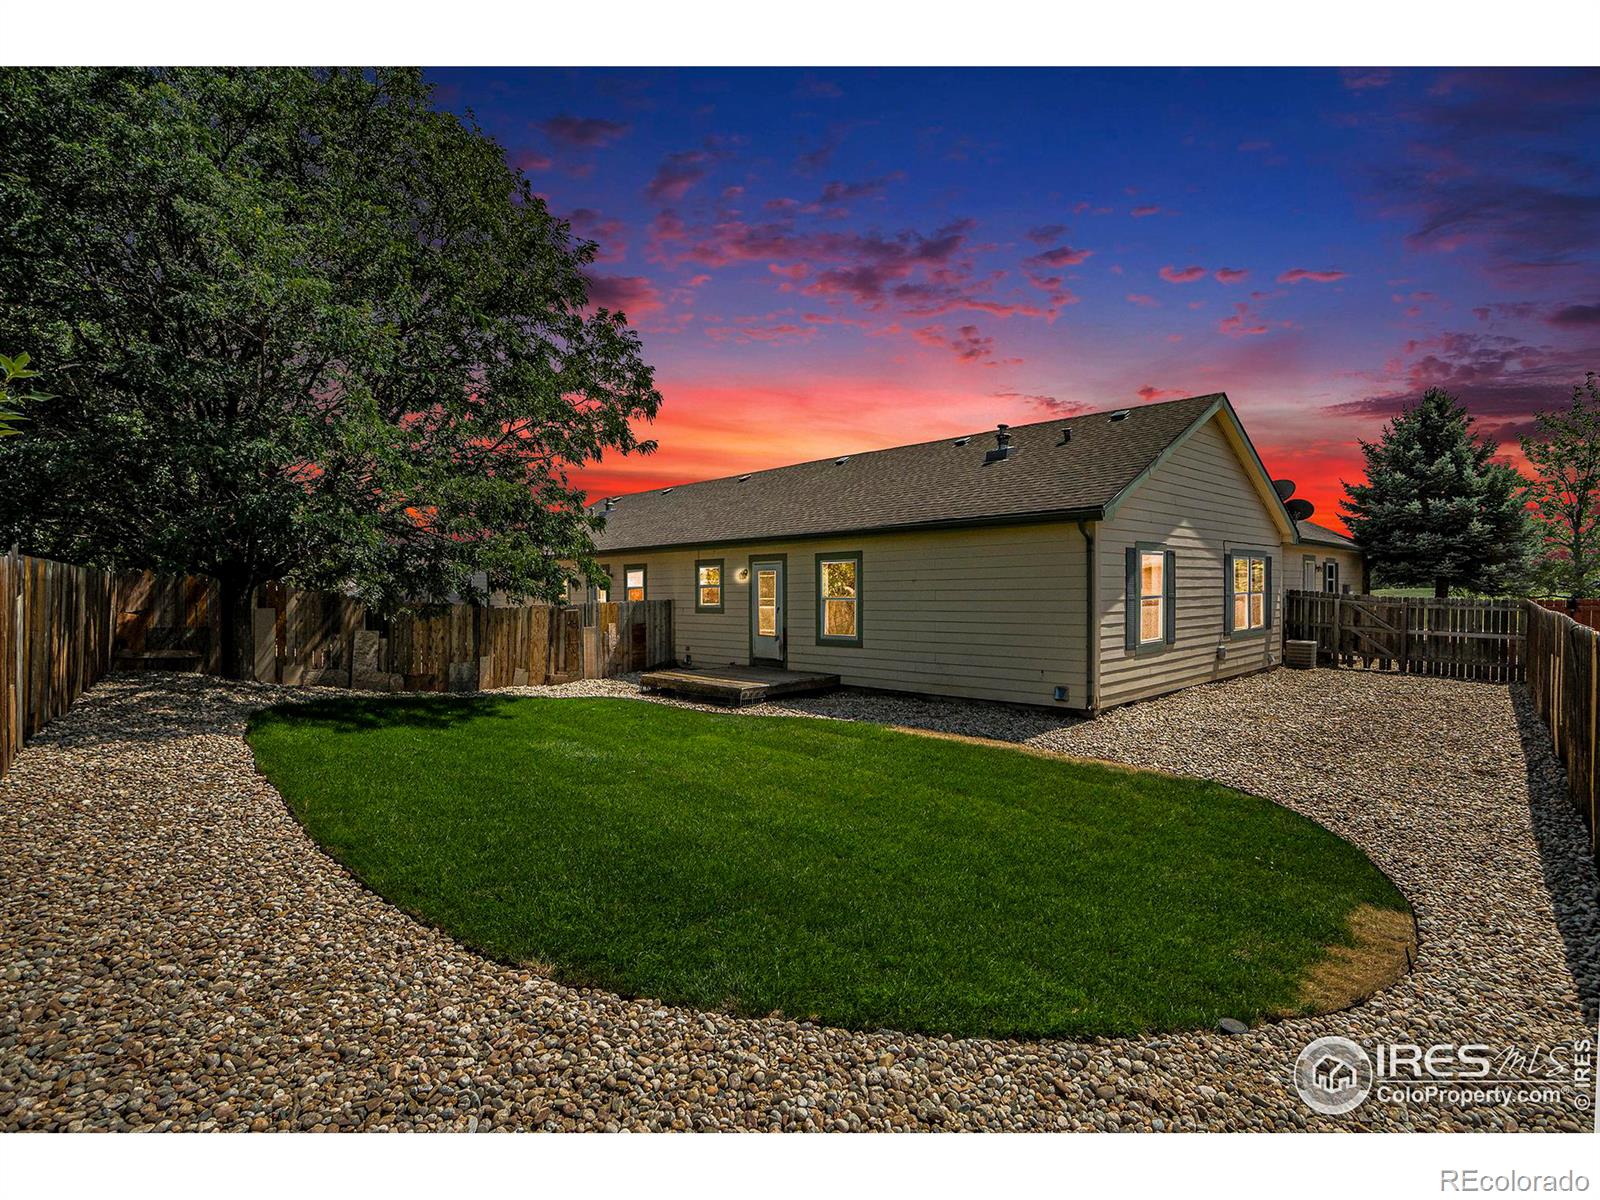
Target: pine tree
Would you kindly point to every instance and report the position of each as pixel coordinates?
(1437, 508)
(1565, 457)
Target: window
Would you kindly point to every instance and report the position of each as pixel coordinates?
(1150, 595)
(633, 582)
(1330, 576)
(1249, 591)
(708, 585)
(1152, 566)
(839, 599)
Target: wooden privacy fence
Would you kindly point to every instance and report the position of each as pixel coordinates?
(331, 640)
(1563, 660)
(55, 641)
(1417, 635)
(62, 627)
(167, 621)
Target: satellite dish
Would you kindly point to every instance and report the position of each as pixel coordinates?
(1300, 510)
(1284, 488)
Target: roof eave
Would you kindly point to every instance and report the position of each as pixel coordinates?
(1042, 517)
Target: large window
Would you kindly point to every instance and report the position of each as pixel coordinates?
(839, 599)
(1249, 592)
(708, 585)
(633, 586)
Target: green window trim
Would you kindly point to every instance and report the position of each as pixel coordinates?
(644, 581)
(824, 638)
(700, 588)
(1133, 598)
(1229, 595)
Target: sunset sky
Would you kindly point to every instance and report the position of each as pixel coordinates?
(824, 262)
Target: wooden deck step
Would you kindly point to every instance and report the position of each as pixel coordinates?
(736, 686)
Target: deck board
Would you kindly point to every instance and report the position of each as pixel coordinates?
(736, 686)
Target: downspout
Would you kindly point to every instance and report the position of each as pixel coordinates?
(1090, 625)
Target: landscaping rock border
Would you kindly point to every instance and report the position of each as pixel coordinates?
(175, 953)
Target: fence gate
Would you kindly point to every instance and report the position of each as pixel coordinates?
(1416, 635)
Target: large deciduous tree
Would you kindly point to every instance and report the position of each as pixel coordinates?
(298, 324)
(1438, 509)
(1564, 453)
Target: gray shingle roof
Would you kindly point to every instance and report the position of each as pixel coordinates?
(931, 483)
(1321, 535)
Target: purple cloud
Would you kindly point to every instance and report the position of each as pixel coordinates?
(591, 133)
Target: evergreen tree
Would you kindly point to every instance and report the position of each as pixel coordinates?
(1565, 457)
(1437, 509)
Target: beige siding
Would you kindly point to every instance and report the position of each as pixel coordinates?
(993, 614)
(1351, 570)
(1201, 504)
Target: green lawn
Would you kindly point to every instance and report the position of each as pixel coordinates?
(834, 871)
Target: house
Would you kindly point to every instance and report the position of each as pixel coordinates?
(1328, 560)
(1077, 563)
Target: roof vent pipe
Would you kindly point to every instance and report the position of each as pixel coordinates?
(1003, 448)
(611, 502)
(1066, 436)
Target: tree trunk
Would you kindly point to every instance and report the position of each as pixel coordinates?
(238, 627)
(1441, 590)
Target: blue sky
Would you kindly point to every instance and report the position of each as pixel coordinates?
(824, 261)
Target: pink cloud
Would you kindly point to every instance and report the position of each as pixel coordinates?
(631, 294)
(1148, 393)
(1253, 147)
(1230, 275)
(1061, 256)
(1147, 210)
(1243, 323)
(1142, 300)
(678, 173)
(969, 345)
(587, 132)
(607, 233)
(1297, 274)
(532, 160)
(1184, 275)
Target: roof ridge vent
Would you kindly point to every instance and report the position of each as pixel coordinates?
(1003, 449)
(665, 490)
(743, 478)
(841, 460)
(962, 441)
(1122, 414)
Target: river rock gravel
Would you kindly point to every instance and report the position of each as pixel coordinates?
(175, 953)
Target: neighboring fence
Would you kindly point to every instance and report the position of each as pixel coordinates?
(1417, 635)
(1563, 660)
(55, 641)
(1587, 612)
